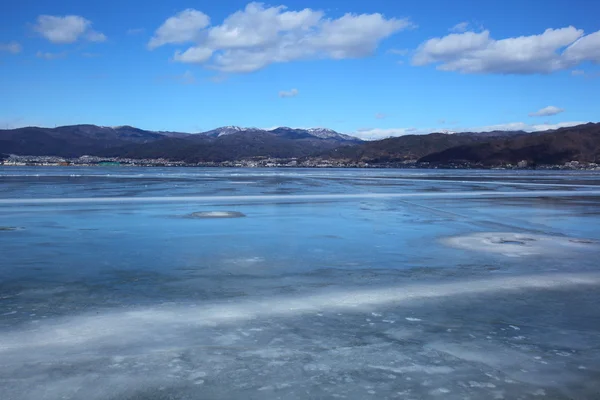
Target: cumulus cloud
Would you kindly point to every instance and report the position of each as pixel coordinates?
(380, 115)
(472, 52)
(547, 111)
(586, 48)
(460, 27)
(50, 56)
(378, 133)
(288, 93)
(257, 36)
(183, 27)
(193, 55)
(67, 29)
(578, 72)
(11, 47)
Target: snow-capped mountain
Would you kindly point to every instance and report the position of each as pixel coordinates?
(325, 133)
(317, 133)
(224, 131)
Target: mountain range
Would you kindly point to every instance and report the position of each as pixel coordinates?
(581, 143)
(578, 143)
(220, 144)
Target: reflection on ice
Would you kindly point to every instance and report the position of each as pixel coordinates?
(8, 228)
(217, 214)
(519, 244)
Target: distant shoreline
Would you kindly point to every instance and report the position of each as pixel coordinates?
(403, 166)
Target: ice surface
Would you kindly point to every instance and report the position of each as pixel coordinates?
(352, 284)
(307, 197)
(129, 326)
(217, 214)
(209, 339)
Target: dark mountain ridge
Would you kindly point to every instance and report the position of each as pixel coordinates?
(412, 147)
(226, 148)
(226, 143)
(71, 141)
(578, 143)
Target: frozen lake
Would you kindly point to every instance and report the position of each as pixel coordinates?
(152, 283)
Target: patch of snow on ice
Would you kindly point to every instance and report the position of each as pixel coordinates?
(217, 214)
(519, 245)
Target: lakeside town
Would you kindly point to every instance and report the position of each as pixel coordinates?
(266, 162)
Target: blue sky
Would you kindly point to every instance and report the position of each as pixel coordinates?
(372, 68)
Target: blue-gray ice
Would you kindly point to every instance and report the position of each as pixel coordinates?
(384, 284)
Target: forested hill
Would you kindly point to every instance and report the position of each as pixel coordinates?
(578, 143)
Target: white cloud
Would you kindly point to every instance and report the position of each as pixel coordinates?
(522, 126)
(460, 27)
(193, 55)
(135, 31)
(11, 47)
(378, 133)
(93, 36)
(288, 93)
(188, 78)
(471, 52)
(585, 74)
(547, 111)
(252, 38)
(67, 29)
(380, 116)
(50, 56)
(183, 27)
(585, 49)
